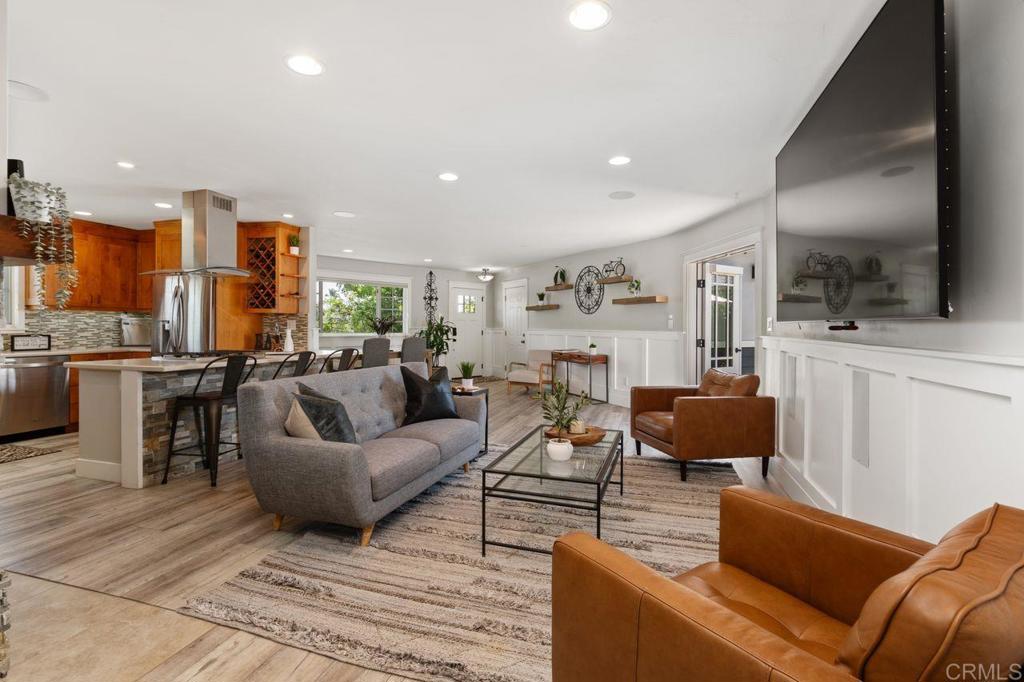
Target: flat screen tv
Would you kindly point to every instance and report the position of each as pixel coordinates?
(864, 198)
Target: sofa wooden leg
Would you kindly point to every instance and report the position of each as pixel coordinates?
(764, 466)
(465, 467)
(278, 520)
(682, 471)
(365, 539)
(637, 447)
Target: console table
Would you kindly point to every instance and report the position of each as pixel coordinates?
(579, 357)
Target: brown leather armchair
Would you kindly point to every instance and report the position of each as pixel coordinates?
(797, 594)
(723, 418)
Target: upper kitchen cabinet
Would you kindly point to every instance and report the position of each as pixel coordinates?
(108, 260)
(167, 244)
(278, 282)
(146, 255)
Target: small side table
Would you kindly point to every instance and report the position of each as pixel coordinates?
(477, 390)
(581, 357)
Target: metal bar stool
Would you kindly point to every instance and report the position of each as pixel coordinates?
(303, 359)
(207, 409)
(376, 351)
(340, 360)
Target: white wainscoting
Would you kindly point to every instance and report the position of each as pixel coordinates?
(635, 358)
(494, 352)
(911, 440)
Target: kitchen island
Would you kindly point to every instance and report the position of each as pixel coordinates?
(125, 416)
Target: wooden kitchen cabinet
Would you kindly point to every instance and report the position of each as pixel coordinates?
(278, 281)
(167, 244)
(146, 257)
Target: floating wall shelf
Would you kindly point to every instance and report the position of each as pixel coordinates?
(558, 287)
(616, 280)
(640, 300)
(816, 274)
(864, 277)
(546, 306)
(798, 298)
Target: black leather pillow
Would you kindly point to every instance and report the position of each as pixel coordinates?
(314, 415)
(427, 400)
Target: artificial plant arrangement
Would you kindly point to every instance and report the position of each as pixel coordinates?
(45, 222)
(540, 296)
(466, 369)
(383, 325)
(293, 244)
(557, 409)
(634, 287)
(799, 283)
(439, 336)
(560, 274)
(592, 347)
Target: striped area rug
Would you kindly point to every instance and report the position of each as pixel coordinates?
(421, 602)
(13, 453)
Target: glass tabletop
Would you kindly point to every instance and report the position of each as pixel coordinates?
(528, 458)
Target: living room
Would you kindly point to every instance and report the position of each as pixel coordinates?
(358, 342)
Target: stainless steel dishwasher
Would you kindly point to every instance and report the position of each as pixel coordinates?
(33, 393)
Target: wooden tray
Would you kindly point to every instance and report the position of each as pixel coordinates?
(593, 435)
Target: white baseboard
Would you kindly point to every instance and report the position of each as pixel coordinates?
(94, 468)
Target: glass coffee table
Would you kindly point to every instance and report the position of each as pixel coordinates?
(526, 473)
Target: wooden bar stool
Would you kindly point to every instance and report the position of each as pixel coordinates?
(207, 409)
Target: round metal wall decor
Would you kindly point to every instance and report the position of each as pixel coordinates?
(589, 293)
(839, 286)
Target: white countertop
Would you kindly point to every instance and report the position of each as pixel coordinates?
(73, 351)
(162, 365)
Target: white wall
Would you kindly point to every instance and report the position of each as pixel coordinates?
(3, 106)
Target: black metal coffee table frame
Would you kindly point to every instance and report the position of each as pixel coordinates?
(599, 486)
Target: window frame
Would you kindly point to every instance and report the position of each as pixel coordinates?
(14, 283)
(377, 280)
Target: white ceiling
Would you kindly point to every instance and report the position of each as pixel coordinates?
(527, 110)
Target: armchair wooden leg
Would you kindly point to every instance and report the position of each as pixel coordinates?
(509, 385)
(278, 520)
(365, 539)
(465, 467)
(764, 466)
(682, 471)
(637, 447)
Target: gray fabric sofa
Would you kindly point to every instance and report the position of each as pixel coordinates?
(353, 485)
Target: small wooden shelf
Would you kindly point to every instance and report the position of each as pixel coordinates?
(616, 280)
(865, 277)
(292, 255)
(640, 300)
(559, 287)
(798, 298)
(888, 301)
(292, 276)
(546, 306)
(816, 274)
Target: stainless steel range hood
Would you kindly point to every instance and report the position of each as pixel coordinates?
(209, 233)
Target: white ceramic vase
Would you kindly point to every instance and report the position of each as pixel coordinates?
(559, 449)
(289, 343)
(294, 250)
(467, 383)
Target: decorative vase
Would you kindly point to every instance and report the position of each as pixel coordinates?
(593, 351)
(289, 343)
(467, 383)
(577, 427)
(294, 250)
(559, 449)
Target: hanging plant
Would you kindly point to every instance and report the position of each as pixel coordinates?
(45, 222)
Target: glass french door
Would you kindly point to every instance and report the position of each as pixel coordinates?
(722, 318)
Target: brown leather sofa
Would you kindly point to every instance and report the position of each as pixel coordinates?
(723, 418)
(797, 594)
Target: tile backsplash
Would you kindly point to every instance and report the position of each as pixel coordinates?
(76, 328)
(276, 324)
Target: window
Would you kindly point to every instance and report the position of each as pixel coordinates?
(12, 312)
(466, 304)
(348, 307)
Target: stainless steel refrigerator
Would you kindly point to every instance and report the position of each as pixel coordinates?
(184, 313)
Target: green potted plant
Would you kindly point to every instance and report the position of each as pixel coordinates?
(557, 409)
(593, 348)
(293, 244)
(560, 274)
(466, 369)
(634, 287)
(383, 325)
(540, 296)
(799, 283)
(439, 336)
(45, 222)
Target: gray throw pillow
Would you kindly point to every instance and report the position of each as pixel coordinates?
(316, 416)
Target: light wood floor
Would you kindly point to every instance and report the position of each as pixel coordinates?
(101, 569)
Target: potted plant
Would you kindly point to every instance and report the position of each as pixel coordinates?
(540, 296)
(45, 222)
(439, 335)
(293, 244)
(557, 409)
(560, 274)
(466, 369)
(383, 325)
(799, 283)
(593, 348)
(634, 287)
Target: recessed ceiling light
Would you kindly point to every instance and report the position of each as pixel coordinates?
(590, 15)
(305, 65)
(83, 213)
(619, 160)
(428, 260)
(344, 214)
(287, 215)
(448, 177)
(346, 250)
(163, 204)
(622, 194)
(126, 164)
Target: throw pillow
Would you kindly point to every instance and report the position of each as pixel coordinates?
(428, 399)
(314, 415)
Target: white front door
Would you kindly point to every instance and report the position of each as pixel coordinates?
(514, 295)
(722, 318)
(466, 312)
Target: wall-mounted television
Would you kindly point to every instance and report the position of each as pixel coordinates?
(864, 196)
